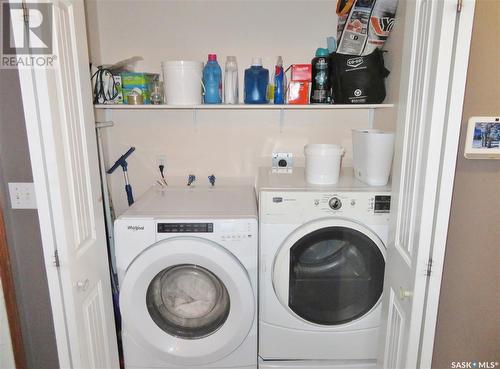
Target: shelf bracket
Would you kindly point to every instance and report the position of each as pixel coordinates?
(282, 119)
(105, 124)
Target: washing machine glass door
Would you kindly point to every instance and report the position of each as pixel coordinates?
(187, 300)
(330, 272)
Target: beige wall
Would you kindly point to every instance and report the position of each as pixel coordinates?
(468, 321)
(229, 144)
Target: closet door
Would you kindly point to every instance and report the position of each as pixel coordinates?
(437, 37)
(61, 134)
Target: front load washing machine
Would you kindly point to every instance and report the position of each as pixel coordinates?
(187, 266)
(322, 259)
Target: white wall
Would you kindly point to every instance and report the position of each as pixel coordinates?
(226, 143)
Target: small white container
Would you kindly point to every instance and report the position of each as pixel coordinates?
(183, 82)
(323, 163)
(372, 151)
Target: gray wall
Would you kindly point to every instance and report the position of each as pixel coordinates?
(468, 321)
(23, 232)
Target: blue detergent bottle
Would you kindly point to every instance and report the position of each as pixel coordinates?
(212, 80)
(256, 81)
(279, 82)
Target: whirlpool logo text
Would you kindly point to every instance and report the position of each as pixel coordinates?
(135, 228)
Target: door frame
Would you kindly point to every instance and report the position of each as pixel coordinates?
(36, 113)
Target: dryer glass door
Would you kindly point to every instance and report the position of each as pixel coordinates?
(188, 301)
(336, 275)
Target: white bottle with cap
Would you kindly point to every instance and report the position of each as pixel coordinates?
(231, 81)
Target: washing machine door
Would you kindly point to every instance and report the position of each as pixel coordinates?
(187, 300)
(330, 272)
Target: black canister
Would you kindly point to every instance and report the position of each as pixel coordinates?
(320, 86)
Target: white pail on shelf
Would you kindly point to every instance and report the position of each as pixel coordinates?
(323, 163)
(183, 82)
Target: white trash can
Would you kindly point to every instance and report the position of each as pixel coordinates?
(323, 163)
(183, 82)
(372, 151)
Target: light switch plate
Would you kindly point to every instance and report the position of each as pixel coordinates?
(22, 195)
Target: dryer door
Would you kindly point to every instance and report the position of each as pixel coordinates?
(188, 300)
(330, 272)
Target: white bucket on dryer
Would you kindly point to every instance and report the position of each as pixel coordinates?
(323, 163)
(372, 151)
(183, 82)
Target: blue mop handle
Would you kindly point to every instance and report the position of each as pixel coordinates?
(121, 161)
(130, 196)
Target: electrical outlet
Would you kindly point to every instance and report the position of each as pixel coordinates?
(282, 160)
(22, 195)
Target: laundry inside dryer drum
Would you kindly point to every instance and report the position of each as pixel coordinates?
(336, 276)
(188, 301)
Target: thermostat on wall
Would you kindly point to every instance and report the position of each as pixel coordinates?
(483, 138)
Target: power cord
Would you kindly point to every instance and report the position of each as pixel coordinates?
(163, 181)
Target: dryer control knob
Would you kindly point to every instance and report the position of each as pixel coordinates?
(335, 203)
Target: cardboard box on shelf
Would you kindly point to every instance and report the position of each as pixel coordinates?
(298, 92)
(301, 72)
(299, 85)
(139, 82)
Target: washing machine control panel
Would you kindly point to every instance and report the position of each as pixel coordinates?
(237, 232)
(185, 227)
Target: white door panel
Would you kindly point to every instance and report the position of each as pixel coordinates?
(427, 63)
(63, 149)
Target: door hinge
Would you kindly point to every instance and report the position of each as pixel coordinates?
(429, 267)
(459, 5)
(26, 12)
(56, 259)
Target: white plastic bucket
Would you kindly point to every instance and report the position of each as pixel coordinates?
(323, 163)
(373, 151)
(182, 81)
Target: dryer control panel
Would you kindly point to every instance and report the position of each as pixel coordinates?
(298, 207)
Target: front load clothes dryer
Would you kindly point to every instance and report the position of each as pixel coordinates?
(187, 267)
(322, 261)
